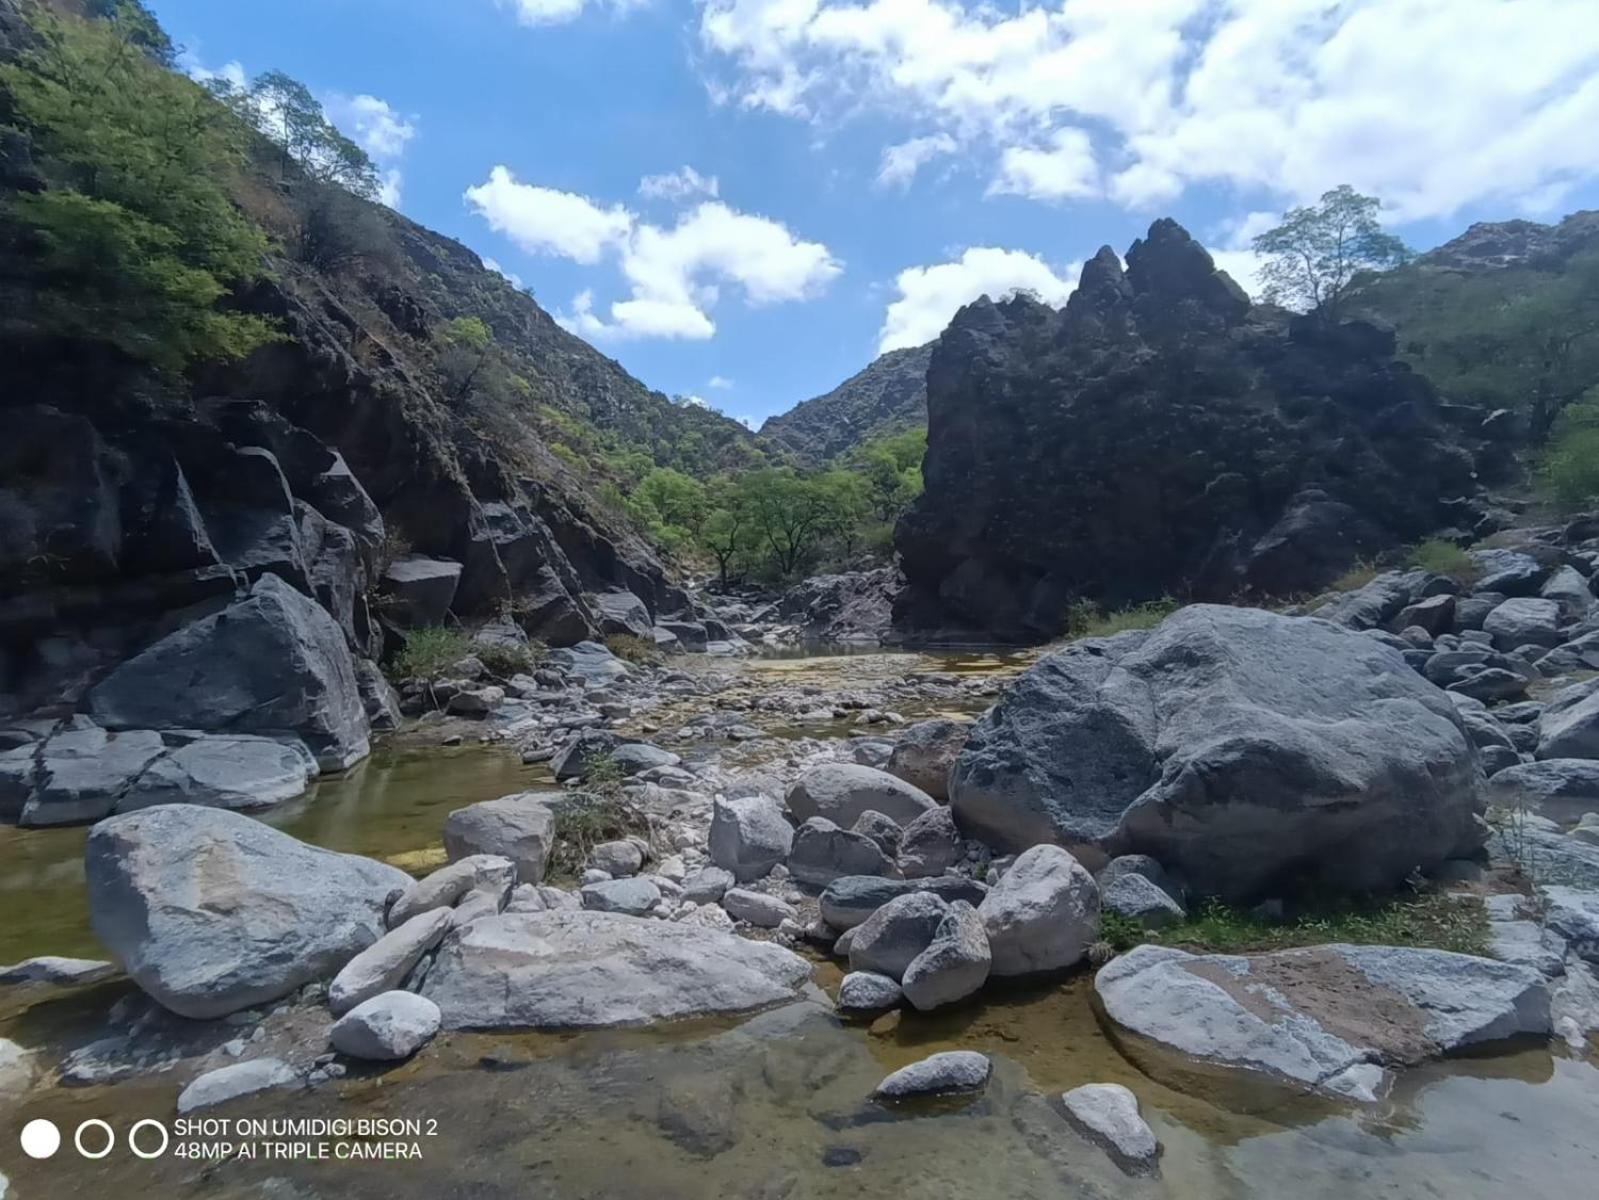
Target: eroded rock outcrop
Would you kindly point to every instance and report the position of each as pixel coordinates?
(1161, 436)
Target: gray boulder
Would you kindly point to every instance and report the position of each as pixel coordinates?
(1138, 899)
(590, 662)
(707, 885)
(1567, 588)
(757, 908)
(946, 1073)
(954, 965)
(617, 859)
(925, 754)
(223, 771)
(749, 836)
(1509, 571)
(557, 970)
(1107, 1115)
(621, 612)
(82, 774)
(1522, 621)
(490, 874)
(385, 965)
(1570, 730)
(1561, 789)
(931, 845)
(1435, 615)
(885, 831)
(865, 992)
(841, 792)
(1231, 744)
(1288, 1015)
(520, 828)
(633, 897)
(211, 912)
(851, 899)
(273, 663)
(633, 757)
(572, 760)
(235, 1081)
(54, 970)
(388, 1027)
(1573, 914)
(421, 588)
(822, 852)
(890, 939)
(1042, 915)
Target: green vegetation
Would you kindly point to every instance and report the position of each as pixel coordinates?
(1311, 258)
(632, 649)
(284, 112)
(1570, 472)
(1442, 557)
(1084, 618)
(1431, 919)
(583, 820)
(504, 659)
(134, 243)
(429, 651)
(1358, 576)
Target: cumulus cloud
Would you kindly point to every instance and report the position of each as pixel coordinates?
(681, 184)
(545, 221)
(902, 161)
(558, 12)
(929, 296)
(1430, 105)
(719, 382)
(675, 273)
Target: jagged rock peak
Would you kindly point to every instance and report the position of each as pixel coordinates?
(1173, 274)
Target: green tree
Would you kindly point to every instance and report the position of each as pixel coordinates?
(1571, 465)
(892, 468)
(135, 240)
(1317, 250)
(677, 499)
(467, 344)
(138, 24)
(724, 535)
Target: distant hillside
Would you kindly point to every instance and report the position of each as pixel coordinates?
(888, 397)
(1505, 316)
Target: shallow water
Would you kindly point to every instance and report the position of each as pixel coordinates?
(780, 1107)
(391, 806)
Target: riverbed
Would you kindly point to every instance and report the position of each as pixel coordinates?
(776, 1106)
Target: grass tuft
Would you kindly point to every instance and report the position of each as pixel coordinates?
(1084, 618)
(429, 652)
(628, 648)
(1358, 576)
(1445, 558)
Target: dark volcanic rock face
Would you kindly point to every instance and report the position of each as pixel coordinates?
(1160, 436)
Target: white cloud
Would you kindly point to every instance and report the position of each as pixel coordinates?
(902, 161)
(545, 221)
(1065, 169)
(696, 402)
(1234, 251)
(557, 12)
(1430, 104)
(675, 274)
(929, 296)
(681, 184)
(719, 382)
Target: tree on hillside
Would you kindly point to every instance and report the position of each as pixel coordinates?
(1317, 250)
(135, 238)
(467, 343)
(283, 110)
(138, 24)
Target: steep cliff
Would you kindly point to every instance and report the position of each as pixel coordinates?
(1161, 435)
(888, 397)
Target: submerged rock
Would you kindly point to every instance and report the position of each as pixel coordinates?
(866, 992)
(211, 912)
(1327, 1018)
(558, 970)
(946, 1073)
(1233, 745)
(1107, 1114)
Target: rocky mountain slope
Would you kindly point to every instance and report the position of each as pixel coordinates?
(888, 397)
(1161, 435)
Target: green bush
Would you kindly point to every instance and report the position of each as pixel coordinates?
(585, 819)
(504, 659)
(632, 649)
(429, 652)
(1358, 576)
(1571, 466)
(1084, 618)
(1442, 557)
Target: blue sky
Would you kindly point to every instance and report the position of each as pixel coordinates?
(745, 200)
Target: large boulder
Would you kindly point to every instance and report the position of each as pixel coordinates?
(1524, 621)
(520, 828)
(749, 836)
(272, 663)
(82, 774)
(211, 912)
(894, 936)
(841, 792)
(850, 899)
(822, 852)
(621, 612)
(1237, 747)
(930, 845)
(925, 754)
(391, 1026)
(1042, 915)
(955, 963)
(589, 662)
(1321, 1017)
(224, 771)
(1570, 730)
(384, 965)
(1561, 789)
(421, 589)
(555, 970)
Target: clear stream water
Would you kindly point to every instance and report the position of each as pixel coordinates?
(776, 1106)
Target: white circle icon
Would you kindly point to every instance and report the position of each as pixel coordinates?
(94, 1123)
(40, 1138)
(133, 1138)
